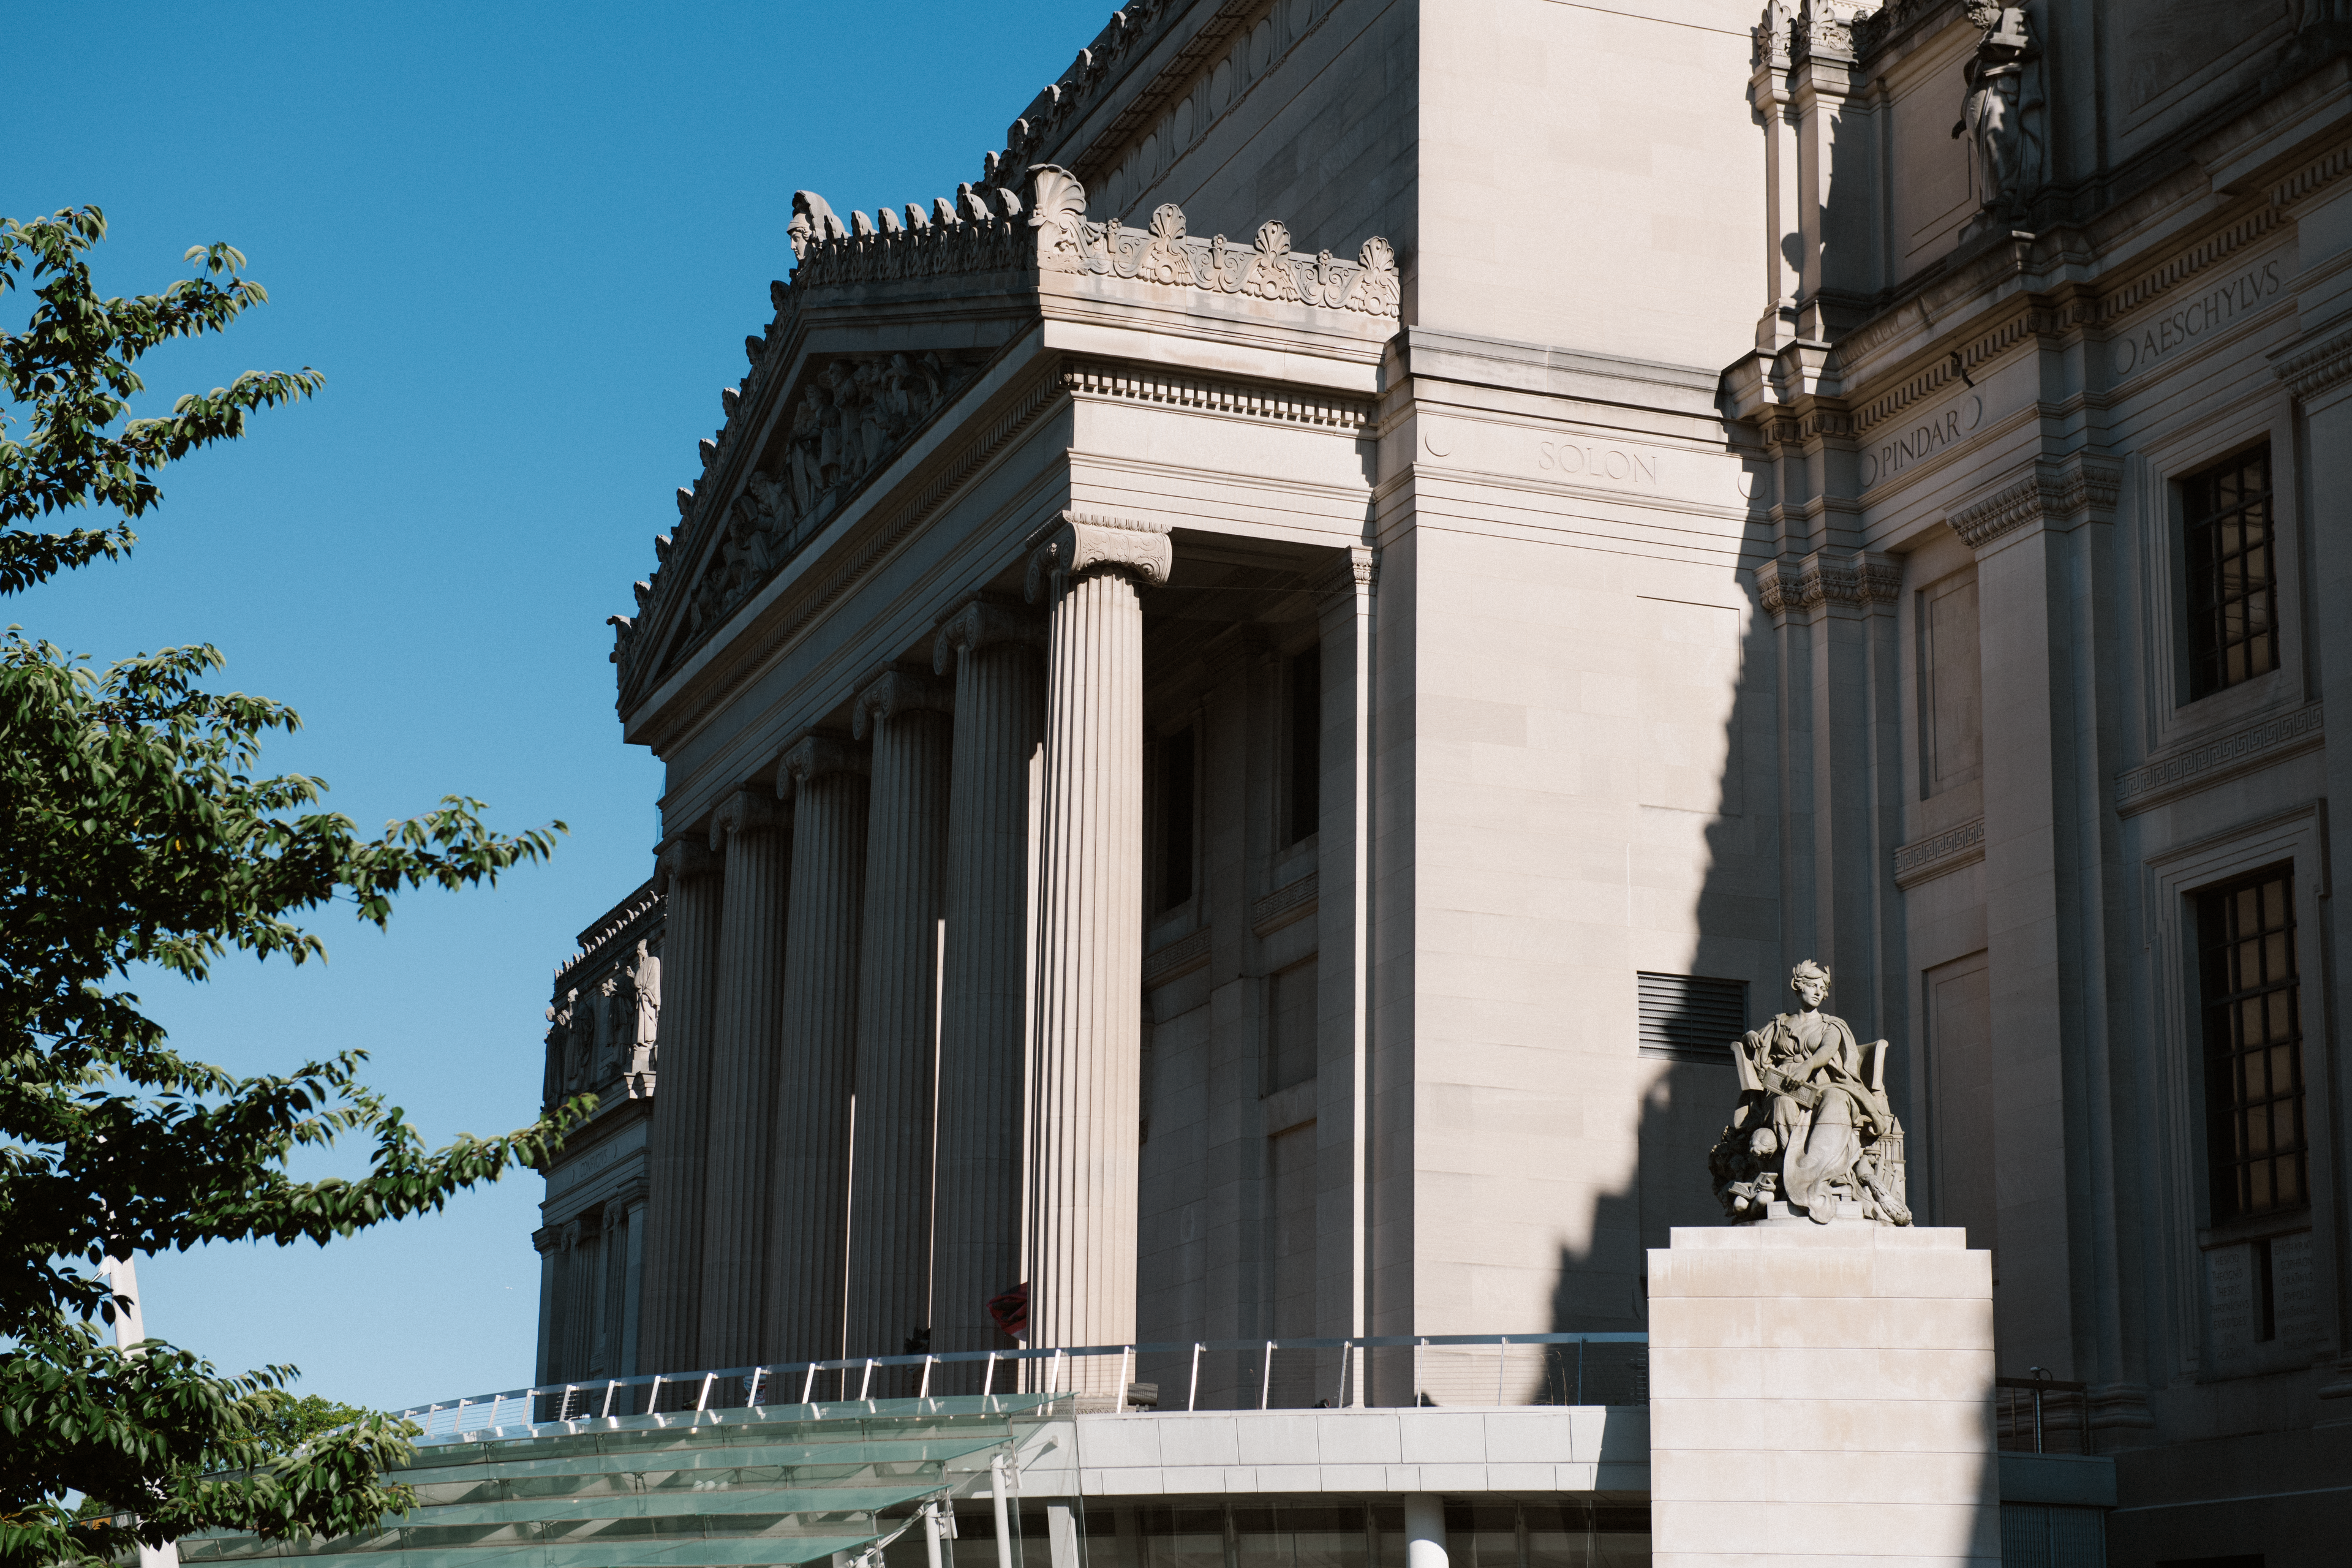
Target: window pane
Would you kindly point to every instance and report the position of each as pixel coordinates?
(2232, 573)
(2254, 1045)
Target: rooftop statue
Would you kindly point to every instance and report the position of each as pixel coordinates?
(1812, 1132)
(2001, 110)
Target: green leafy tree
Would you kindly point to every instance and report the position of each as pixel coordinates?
(136, 832)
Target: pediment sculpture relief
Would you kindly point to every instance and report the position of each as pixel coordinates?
(848, 418)
(1812, 1135)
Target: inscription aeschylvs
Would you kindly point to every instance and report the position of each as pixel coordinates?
(2153, 340)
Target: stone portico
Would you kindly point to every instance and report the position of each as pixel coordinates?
(1252, 699)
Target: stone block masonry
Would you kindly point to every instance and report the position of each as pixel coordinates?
(1821, 1394)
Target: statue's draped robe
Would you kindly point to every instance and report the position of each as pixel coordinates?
(1822, 1143)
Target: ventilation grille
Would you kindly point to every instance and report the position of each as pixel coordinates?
(1691, 1018)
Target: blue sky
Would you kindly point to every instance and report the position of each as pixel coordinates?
(524, 243)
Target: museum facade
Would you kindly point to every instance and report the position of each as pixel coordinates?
(1252, 700)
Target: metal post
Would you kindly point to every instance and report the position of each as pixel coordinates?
(867, 1382)
(1502, 1363)
(1126, 1356)
(753, 1398)
(925, 1391)
(1003, 1519)
(930, 1524)
(1265, 1378)
(1054, 1372)
(610, 1386)
(1580, 1371)
(1195, 1392)
(653, 1395)
(988, 1382)
(702, 1401)
(1340, 1394)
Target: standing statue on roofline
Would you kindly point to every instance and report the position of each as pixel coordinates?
(1813, 1134)
(2000, 110)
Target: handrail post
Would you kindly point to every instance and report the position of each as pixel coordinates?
(1265, 1379)
(1126, 1357)
(1502, 1363)
(751, 1399)
(988, 1381)
(1003, 1523)
(1579, 1370)
(702, 1400)
(1195, 1392)
(931, 1523)
(865, 1383)
(606, 1414)
(925, 1393)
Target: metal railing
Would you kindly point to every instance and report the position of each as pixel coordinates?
(1551, 1369)
(2042, 1415)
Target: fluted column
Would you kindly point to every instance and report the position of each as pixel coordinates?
(810, 1110)
(1085, 1094)
(984, 1012)
(688, 879)
(898, 974)
(750, 1022)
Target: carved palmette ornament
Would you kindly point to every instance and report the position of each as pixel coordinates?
(1069, 242)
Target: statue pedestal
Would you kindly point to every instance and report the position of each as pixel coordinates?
(1822, 1393)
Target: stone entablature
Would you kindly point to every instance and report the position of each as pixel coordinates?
(805, 433)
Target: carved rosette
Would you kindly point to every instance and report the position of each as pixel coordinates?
(980, 624)
(1069, 243)
(1081, 543)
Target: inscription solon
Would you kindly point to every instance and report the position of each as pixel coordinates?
(1599, 462)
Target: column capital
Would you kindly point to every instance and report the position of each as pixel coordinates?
(683, 856)
(547, 1238)
(2313, 372)
(817, 756)
(979, 622)
(1081, 541)
(892, 693)
(1353, 574)
(1854, 581)
(2056, 491)
(745, 811)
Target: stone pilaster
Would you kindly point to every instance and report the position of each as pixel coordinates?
(905, 716)
(1085, 1092)
(749, 828)
(810, 1108)
(548, 1241)
(999, 705)
(633, 1283)
(688, 876)
(2050, 648)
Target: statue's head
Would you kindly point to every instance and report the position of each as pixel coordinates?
(1810, 981)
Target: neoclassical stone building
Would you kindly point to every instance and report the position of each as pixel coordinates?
(1251, 699)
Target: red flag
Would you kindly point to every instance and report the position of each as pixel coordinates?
(1011, 1311)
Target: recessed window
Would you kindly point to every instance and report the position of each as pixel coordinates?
(2255, 1142)
(2233, 561)
(1176, 802)
(1303, 803)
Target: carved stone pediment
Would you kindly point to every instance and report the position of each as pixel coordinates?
(841, 418)
(838, 424)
